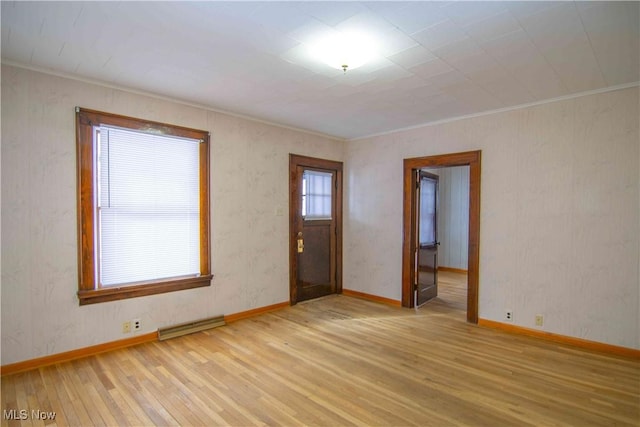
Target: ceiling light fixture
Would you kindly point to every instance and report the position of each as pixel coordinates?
(345, 50)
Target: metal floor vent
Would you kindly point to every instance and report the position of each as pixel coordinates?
(189, 327)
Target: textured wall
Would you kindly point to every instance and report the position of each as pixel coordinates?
(453, 216)
(560, 221)
(454, 213)
(249, 183)
(559, 232)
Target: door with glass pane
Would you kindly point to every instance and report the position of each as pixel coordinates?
(427, 237)
(315, 235)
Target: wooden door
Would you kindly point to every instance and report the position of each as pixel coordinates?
(426, 274)
(315, 228)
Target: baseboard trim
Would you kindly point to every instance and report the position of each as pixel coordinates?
(453, 270)
(562, 339)
(80, 353)
(256, 311)
(375, 298)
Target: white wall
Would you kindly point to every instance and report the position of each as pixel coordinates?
(453, 216)
(560, 229)
(249, 181)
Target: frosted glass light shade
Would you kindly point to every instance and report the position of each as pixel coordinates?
(350, 49)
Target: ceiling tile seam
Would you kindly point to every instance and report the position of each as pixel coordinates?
(168, 98)
(391, 24)
(484, 89)
(503, 110)
(495, 37)
(410, 36)
(394, 26)
(509, 71)
(564, 86)
(590, 45)
(465, 76)
(595, 56)
(480, 86)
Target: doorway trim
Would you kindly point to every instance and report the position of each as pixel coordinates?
(296, 160)
(468, 158)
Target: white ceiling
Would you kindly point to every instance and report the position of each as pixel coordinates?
(438, 60)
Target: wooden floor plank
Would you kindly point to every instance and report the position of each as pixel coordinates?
(9, 402)
(339, 360)
(74, 405)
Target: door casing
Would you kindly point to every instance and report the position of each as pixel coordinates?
(468, 158)
(294, 194)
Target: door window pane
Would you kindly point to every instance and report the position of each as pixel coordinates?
(427, 211)
(316, 195)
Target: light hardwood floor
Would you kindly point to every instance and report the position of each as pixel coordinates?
(339, 361)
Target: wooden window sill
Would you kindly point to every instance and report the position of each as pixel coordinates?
(133, 291)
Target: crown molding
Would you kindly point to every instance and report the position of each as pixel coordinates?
(123, 88)
(502, 110)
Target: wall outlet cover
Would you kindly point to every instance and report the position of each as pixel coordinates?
(508, 315)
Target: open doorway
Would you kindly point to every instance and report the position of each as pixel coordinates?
(412, 168)
(451, 235)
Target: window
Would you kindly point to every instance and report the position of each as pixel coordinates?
(428, 203)
(143, 200)
(316, 195)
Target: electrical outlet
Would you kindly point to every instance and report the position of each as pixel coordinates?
(539, 320)
(136, 324)
(508, 316)
(126, 327)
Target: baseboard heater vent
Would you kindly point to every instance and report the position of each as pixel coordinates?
(189, 328)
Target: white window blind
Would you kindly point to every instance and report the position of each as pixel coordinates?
(316, 194)
(148, 206)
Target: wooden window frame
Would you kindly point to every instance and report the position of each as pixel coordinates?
(88, 291)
